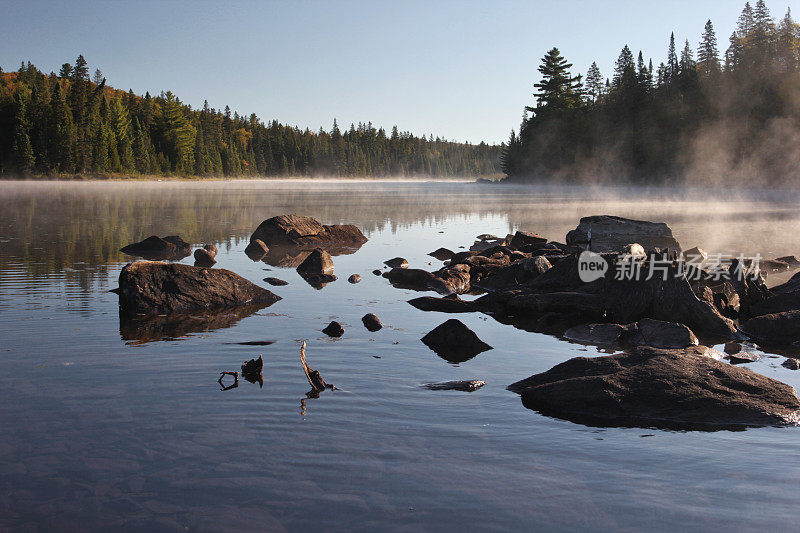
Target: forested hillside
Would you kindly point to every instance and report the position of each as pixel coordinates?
(699, 118)
(68, 123)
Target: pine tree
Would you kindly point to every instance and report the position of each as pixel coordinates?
(671, 71)
(558, 89)
(594, 82)
(786, 43)
(81, 71)
(707, 52)
(624, 69)
(66, 71)
(22, 149)
(687, 66)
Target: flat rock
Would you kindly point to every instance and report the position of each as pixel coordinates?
(154, 288)
(663, 388)
(154, 247)
(612, 234)
(464, 385)
(296, 230)
(596, 334)
(318, 262)
(443, 305)
(454, 341)
(646, 332)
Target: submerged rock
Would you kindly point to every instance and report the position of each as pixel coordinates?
(276, 282)
(334, 329)
(153, 247)
(372, 322)
(663, 388)
(454, 341)
(295, 230)
(154, 288)
(464, 386)
(318, 262)
(612, 234)
(596, 334)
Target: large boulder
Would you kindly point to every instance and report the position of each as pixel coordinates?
(454, 341)
(157, 288)
(606, 233)
(296, 230)
(663, 388)
(157, 248)
(775, 329)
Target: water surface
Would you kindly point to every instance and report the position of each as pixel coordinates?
(108, 426)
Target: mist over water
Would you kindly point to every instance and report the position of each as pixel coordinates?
(110, 426)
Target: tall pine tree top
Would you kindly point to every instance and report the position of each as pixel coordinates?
(558, 89)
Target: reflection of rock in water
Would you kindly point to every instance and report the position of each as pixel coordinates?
(292, 256)
(163, 328)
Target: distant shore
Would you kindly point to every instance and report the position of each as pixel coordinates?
(155, 177)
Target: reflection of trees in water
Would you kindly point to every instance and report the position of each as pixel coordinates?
(58, 224)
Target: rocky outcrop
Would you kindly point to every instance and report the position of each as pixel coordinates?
(776, 329)
(171, 247)
(663, 388)
(454, 342)
(157, 288)
(295, 230)
(606, 233)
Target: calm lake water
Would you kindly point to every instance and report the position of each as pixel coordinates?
(109, 426)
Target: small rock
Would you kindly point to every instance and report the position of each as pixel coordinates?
(536, 265)
(744, 356)
(334, 329)
(203, 257)
(355, 278)
(377, 272)
(454, 341)
(253, 366)
(318, 262)
(442, 254)
(791, 364)
(397, 262)
(465, 386)
(371, 322)
(276, 281)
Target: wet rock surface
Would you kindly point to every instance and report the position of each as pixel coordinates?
(205, 256)
(442, 254)
(256, 250)
(774, 329)
(371, 322)
(447, 304)
(661, 388)
(397, 262)
(454, 341)
(153, 288)
(317, 262)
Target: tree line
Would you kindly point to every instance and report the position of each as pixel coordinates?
(74, 123)
(707, 117)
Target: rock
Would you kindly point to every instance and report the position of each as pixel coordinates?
(596, 334)
(732, 348)
(776, 329)
(397, 262)
(790, 260)
(695, 256)
(445, 305)
(749, 286)
(464, 386)
(318, 262)
(454, 341)
(744, 356)
(355, 278)
(778, 303)
(646, 332)
(772, 265)
(791, 364)
(536, 265)
(153, 247)
(318, 281)
(211, 249)
(442, 254)
(487, 237)
(256, 250)
(276, 282)
(504, 278)
(377, 272)
(155, 288)
(445, 281)
(612, 234)
(253, 366)
(334, 329)
(371, 322)
(524, 238)
(204, 258)
(295, 230)
(648, 387)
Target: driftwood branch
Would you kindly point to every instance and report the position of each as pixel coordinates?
(235, 380)
(314, 378)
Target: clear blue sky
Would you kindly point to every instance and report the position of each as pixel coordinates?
(461, 70)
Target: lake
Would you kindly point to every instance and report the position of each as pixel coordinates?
(113, 426)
